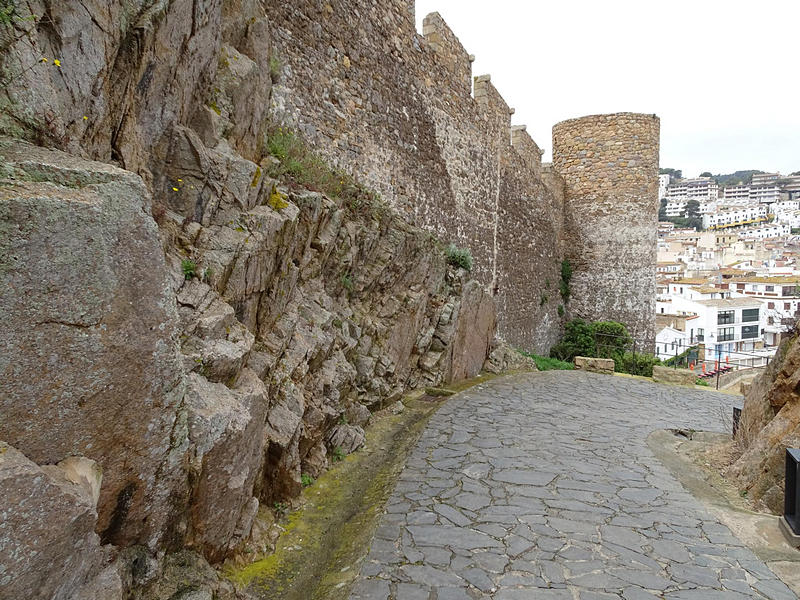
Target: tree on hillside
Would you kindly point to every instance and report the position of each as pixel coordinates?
(674, 173)
(795, 173)
(735, 178)
(692, 209)
(695, 223)
(706, 174)
(662, 210)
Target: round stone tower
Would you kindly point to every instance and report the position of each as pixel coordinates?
(610, 168)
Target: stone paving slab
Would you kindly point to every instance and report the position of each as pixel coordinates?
(541, 486)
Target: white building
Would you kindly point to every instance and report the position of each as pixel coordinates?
(669, 268)
(700, 188)
(670, 342)
(675, 208)
(764, 178)
(724, 325)
(663, 183)
(780, 297)
(784, 206)
(790, 218)
(766, 193)
(762, 232)
(736, 192)
(734, 217)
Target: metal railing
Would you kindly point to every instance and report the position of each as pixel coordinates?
(632, 355)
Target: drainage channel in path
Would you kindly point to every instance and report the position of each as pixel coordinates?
(331, 533)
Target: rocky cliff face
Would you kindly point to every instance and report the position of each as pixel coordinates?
(197, 332)
(770, 423)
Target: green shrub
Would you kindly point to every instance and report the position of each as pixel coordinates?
(642, 364)
(306, 480)
(566, 277)
(8, 12)
(543, 299)
(189, 268)
(296, 163)
(560, 310)
(577, 341)
(603, 339)
(702, 382)
(544, 363)
(459, 257)
(611, 338)
(338, 454)
(347, 281)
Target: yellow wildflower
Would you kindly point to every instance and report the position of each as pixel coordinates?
(85, 118)
(180, 180)
(174, 189)
(43, 59)
(57, 62)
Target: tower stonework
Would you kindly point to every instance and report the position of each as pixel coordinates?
(610, 168)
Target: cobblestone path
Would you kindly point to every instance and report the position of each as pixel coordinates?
(542, 486)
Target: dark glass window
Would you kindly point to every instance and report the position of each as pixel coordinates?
(749, 331)
(725, 334)
(724, 317)
(750, 314)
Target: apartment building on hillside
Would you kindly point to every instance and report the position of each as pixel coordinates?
(699, 188)
(735, 217)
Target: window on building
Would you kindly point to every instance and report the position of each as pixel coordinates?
(725, 334)
(770, 288)
(749, 314)
(770, 305)
(770, 321)
(701, 335)
(739, 286)
(749, 332)
(724, 317)
(787, 306)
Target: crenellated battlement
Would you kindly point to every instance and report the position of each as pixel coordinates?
(402, 112)
(452, 56)
(528, 150)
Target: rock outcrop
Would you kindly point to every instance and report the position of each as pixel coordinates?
(200, 333)
(48, 546)
(89, 359)
(770, 423)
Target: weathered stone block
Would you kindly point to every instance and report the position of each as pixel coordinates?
(88, 357)
(678, 376)
(48, 547)
(595, 365)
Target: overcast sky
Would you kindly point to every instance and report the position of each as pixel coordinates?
(724, 76)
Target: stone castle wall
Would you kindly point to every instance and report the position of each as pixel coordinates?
(610, 168)
(402, 112)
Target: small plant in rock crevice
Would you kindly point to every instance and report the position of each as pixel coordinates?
(338, 454)
(189, 268)
(347, 282)
(306, 480)
(274, 68)
(458, 257)
(566, 277)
